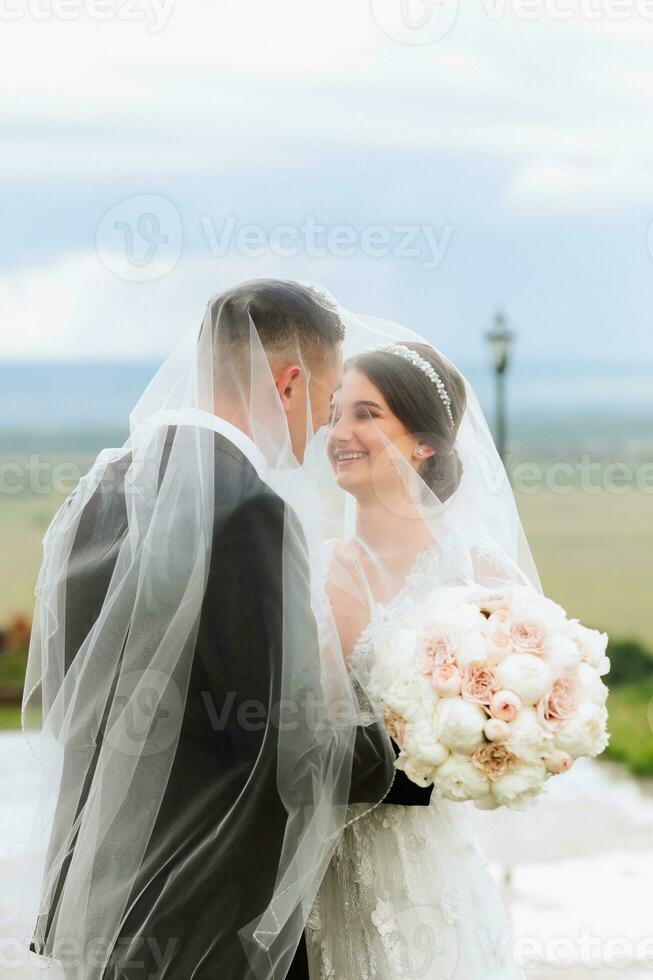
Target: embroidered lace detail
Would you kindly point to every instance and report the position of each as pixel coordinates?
(429, 569)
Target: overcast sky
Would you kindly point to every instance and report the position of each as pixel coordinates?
(506, 164)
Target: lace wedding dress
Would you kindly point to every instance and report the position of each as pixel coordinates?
(408, 892)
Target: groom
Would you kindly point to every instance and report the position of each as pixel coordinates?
(204, 877)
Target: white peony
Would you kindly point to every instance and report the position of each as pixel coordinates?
(459, 725)
(584, 733)
(471, 649)
(525, 674)
(590, 686)
(457, 779)
(408, 695)
(420, 742)
(454, 604)
(561, 654)
(394, 655)
(527, 738)
(520, 786)
(591, 644)
(418, 772)
(556, 616)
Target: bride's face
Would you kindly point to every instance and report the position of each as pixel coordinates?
(362, 425)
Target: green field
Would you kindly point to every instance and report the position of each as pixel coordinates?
(594, 553)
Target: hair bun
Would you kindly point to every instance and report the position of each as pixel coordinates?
(443, 473)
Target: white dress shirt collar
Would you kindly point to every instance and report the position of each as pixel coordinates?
(238, 438)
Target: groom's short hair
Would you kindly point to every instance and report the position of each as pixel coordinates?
(288, 316)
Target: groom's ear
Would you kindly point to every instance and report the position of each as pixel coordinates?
(286, 383)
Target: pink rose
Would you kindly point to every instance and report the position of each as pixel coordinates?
(479, 683)
(437, 650)
(528, 634)
(446, 680)
(496, 730)
(499, 645)
(558, 761)
(500, 617)
(505, 705)
(561, 702)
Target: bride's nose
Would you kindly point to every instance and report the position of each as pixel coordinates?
(339, 431)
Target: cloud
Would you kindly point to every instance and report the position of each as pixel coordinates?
(554, 187)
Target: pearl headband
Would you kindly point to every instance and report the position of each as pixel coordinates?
(427, 369)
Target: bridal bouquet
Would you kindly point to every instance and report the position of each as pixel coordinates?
(489, 693)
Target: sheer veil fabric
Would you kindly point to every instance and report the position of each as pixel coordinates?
(106, 700)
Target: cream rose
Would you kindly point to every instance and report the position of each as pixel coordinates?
(458, 779)
(525, 674)
(479, 683)
(560, 703)
(528, 632)
(438, 647)
(493, 761)
(459, 725)
(395, 725)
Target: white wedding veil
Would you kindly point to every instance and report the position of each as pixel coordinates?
(112, 685)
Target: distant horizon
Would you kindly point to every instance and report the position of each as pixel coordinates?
(48, 406)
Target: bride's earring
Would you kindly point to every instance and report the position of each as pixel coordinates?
(419, 451)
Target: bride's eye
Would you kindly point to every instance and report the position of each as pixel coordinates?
(365, 414)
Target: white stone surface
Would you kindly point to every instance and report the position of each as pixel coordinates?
(577, 870)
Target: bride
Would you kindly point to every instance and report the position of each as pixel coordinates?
(408, 891)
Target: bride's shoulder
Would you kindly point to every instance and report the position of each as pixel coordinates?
(338, 550)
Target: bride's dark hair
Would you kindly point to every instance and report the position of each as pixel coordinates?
(416, 402)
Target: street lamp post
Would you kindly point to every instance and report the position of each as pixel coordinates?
(500, 340)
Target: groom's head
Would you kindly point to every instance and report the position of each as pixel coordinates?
(301, 334)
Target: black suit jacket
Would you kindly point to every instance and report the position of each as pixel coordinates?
(207, 872)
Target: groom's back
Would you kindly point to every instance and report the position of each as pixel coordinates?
(211, 859)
